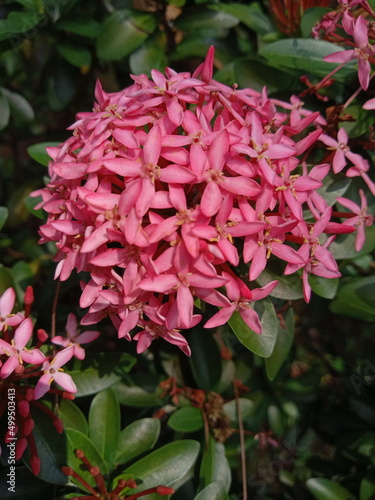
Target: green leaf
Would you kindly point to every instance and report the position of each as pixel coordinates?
(343, 246)
(72, 416)
(4, 111)
(246, 408)
(3, 216)
(105, 422)
(214, 466)
(324, 287)
(31, 202)
(150, 55)
(356, 299)
(332, 188)
(288, 288)
(310, 18)
(262, 344)
(186, 419)
(205, 360)
(137, 438)
(213, 491)
(139, 390)
(170, 465)
(306, 55)
(76, 440)
(51, 446)
(322, 488)
(39, 154)
(20, 108)
(250, 73)
(20, 22)
(363, 120)
(282, 347)
(123, 32)
(75, 54)
(6, 279)
(367, 487)
(203, 19)
(250, 15)
(276, 419)
(99, 371)
(88, 28)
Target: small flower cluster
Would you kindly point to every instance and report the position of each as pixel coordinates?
(21, 363)
(167, 186)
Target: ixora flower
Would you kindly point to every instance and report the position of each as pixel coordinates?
(170, 185)
(52, 371)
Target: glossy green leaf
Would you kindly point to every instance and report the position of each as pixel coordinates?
(203, 19)
(205, 360)
(39, 154)
(3, 216)
(246, 408)
(105, 422)
(332, 188)
(76, 440)
(139, 390)
(213, 491)
(324, 287)
(150, 55)
(262, 344)
(282, 347)
(123, 32)
(137, 438)
(51, 446)
(214, 466)
(4, 111)
(250, 73)
(20, 109)
(186, 419)
(99, 371)
(251, 15)
(322, 488)
(288, 288)
(84, 27)
(20, 22)
(31, 202)
(363, 120)
(356, 299)
(343, 246)
(310, 18)
(170, 465)
(306, 55)
(72, 416)
(75, 54)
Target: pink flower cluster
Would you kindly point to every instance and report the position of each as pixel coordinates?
(167, 186)
(21, 363)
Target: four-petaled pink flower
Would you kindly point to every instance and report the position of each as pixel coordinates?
(241, 299)
(17, 352)
(74, 338)
(362, 52)
(361, 220)
(53, 372)
(342, 151)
